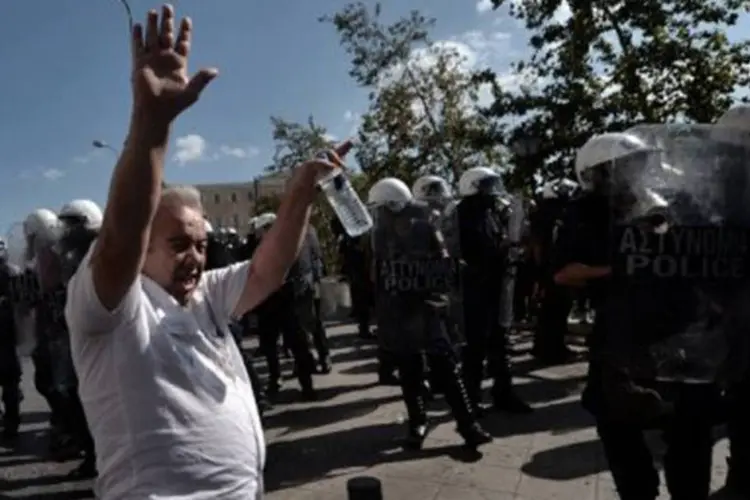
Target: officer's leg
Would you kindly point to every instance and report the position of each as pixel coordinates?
(296, 329)
(360, 295)
(387, 366)
(445, 364)
(12, 407)
(79, 426)
(411, 375)
(320, 339)
(477, 326)
(629, 459)
(689, 438)
(268, 331)
(504, 398)
(11, 388)
(43, 378)
(549, 341)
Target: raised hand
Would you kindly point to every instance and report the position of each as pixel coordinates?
(162, 88)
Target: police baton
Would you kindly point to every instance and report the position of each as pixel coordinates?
(364, 488)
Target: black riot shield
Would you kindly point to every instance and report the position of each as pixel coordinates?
(515, 219)
(680, 221)
(415, 279)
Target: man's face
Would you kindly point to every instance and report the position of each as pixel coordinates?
(177, 250)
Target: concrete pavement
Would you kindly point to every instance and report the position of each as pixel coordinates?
(355, 428)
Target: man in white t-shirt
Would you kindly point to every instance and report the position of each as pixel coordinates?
(161, 379)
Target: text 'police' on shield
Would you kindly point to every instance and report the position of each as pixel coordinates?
(709, 253)
(417, 276)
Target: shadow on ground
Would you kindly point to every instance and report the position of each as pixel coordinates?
(300, 461)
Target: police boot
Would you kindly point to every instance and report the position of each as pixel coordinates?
(457, 398)
(417, 415)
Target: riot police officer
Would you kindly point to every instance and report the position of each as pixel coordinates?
(413, 276)
(82, 220)
(288, 312)
(10, 366)
(623, 391)
(483, 222)
(556, 301)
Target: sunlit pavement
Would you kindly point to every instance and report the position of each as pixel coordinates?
(355, 429)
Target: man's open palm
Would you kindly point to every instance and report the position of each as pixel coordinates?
(161, 85)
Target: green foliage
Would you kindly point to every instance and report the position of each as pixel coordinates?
(614, 65)
(422, 102)
(296, 142)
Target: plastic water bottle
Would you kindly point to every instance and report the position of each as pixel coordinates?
(344, 200)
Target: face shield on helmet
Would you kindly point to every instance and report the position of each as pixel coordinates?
(82, 213)
(43, 232)
(389, 192)
(625, 168)
(484, 182)
(433, 190)
(560, 188)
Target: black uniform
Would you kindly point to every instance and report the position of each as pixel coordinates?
(484, 248)
(290, 312)
(10, 366)
(414, 321)
(549, 338)
(624, 407)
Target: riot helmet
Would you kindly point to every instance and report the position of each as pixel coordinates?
(208, 227)
(42, 228)
(625, 168)
(84, 213)
(432, 189)
(558, 188)
(390, 192)
(482, 181)
(264, 222)
(43, 231)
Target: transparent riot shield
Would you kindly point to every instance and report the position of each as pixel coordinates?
(680, 230)
(515, 219)
(23, 287)
(15, 243)
(415, 280)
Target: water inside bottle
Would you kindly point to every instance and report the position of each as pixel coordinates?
(345, 202)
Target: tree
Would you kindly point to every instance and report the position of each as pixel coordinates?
(296, 142)
(422, 102)
(608, 66)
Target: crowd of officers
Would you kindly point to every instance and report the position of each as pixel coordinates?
(562, 262)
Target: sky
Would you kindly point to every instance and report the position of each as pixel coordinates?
(66, 65)
(66, 83)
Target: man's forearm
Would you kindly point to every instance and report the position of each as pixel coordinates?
(136, 182)
(133, 198)
(282, 244)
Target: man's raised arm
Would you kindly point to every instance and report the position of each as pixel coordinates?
(161, 91)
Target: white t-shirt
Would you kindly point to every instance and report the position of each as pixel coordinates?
(168, 400)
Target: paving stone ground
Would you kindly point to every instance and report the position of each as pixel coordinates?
(355, 429)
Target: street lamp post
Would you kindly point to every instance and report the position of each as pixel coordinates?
(103, 145)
